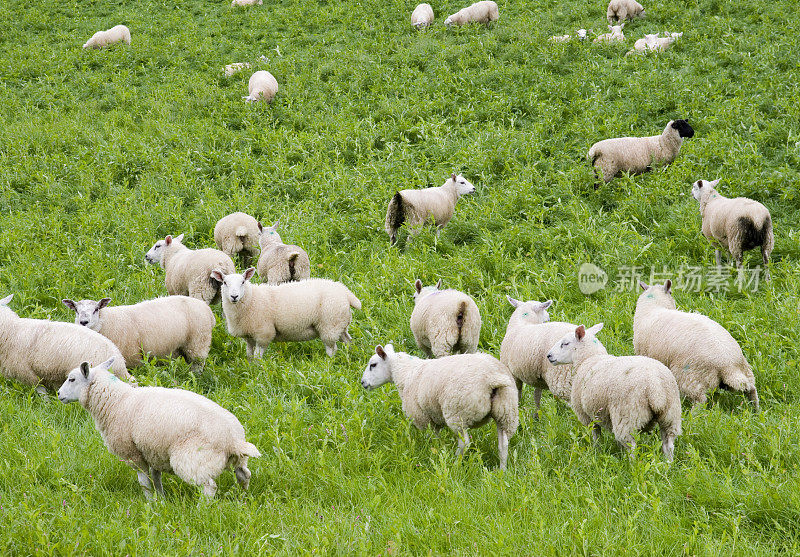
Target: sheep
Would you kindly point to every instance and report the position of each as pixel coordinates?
(444, 321)
(422, 16)
(102, 39)
(700, 352)
(529, 336)
(243, 3)
(738, 224)
(621, 393)
(581, 35)
(614, 36)
(188, 272)
(480, 12)
(155, 430)
(653, 42)
(162, 327)
(262, 87)
(430, 204)
(638, 154)
(41, 352)
(620, 10)
(290, 312)
(238, 233)
(460, 392)
(232, 69)
(280, 262)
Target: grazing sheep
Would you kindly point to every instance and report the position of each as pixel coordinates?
(460, 392)
(615, 35)
(420, 206)
(529, 336)
(738, 224)
(480, 12)
(238, 233)
(638, 154)
(444, 321)
(42, 352)
(581, 35)
(243, 3)
(700, 352)
(280, 262)
(262, 87)
(422, 16)
(621, 393)
(163, 327)
(620, 10)
(188, 272)
(232, 69)
(290, 312)
(102, 39)
(155, 430)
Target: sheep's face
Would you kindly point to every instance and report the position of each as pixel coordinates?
(532, 312)
(702, 187)
(87, 312)
(156, 253)
(569, 348)
(660, 294)
(422, 291)
(78, 381)
(683, 128)
(582, 34)
(463, 187)
(616, 29)
(268, 235)
(378, 371)
(235, 287)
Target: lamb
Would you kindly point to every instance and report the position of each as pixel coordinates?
(157, 430)
(422, 16)
(188, 272)
(162, 327)
(444, 321)
(738, 224)
(238, 233)
(103, 39)
(291, 312)
(262, 87)
(41, 352)
(620, 10)
(700, 352)
(529, 336)
(430, 204)
(653, 42)
(232, 69)
(615, 35)
(480, 12)
(460, 392)
(621, 393)
(243, 3)
(638, 154)
(280, 262)
(581, 35)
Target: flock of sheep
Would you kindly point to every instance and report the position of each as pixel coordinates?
(158, 429)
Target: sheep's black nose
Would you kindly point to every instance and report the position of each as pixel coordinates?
(84, 323)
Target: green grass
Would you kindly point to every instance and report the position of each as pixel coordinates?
(104, 152)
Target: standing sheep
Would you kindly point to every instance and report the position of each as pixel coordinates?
(738, 224)
(615, 35)
(420, 206)
(188, 272)
(444, 321)
(41, 352)
(280, 262)
(480, 12)
(700, 352)
(238, 233)
(155, 430)
(622, 393)
(163, 327)
(290, 312)
(422, 16)
(262, 87)
(103, 39)
(638, 154)
(459, 392)
(620, 10)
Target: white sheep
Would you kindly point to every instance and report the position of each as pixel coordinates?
(622, 393)
(422, 16)
(485, 11)
(162, 327)
(243, 3)
(444, 321)
(155, 430)
(102, 39)
(420, 206)
(638, 154)
(580, 34)
(459, 392)
(238, 233)
(701, 353)
(42, 352)
(620, 10)
(653, 43)
(280, 262)
(233, 69)
(188, 272)
(615, 35)
(262, 87)
(529, 336)
(737, 225)
(290, 312)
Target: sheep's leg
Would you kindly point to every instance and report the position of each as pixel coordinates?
(41, 390)
(242, 476)
(718, 257)
(251, 345)
(156, 474)
(502, 447)
(147, 485)
(330, 348)
(210, 488)
(596, 432)
(258, 351)
(346, 338)
(752, 394)
(626, 442)
(537, 399)
(668, 444)
(463, 442)
(765, 259)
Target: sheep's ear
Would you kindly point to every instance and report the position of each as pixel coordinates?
(103, 303)
(439, 284)
(514, 303)
(380, 352)
(69, 303)
(714, 183)
(260, 226)
(580, 332)
(6, 300)
(594, 329)
(248, 274)
(168, 240)
(107, 364)
(275, 225)
(217, 275)
(454, 177)
(418, 286)
(178, 238)
(389, 348)
(545, 305)
(643, 285)
(668, 286)
(85, 369)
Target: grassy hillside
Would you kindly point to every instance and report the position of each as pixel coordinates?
(104, 152)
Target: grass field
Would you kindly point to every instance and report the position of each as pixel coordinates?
(104, 152)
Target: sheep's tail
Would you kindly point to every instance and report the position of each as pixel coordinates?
(249, 450)
(593, 155)
(769, 240)
(752, 235)
(355, 303)
(740, 378)
(462, 309)
(292, 261)
(666, 410)
(241, 232)
(395, 216)
(505, 406)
